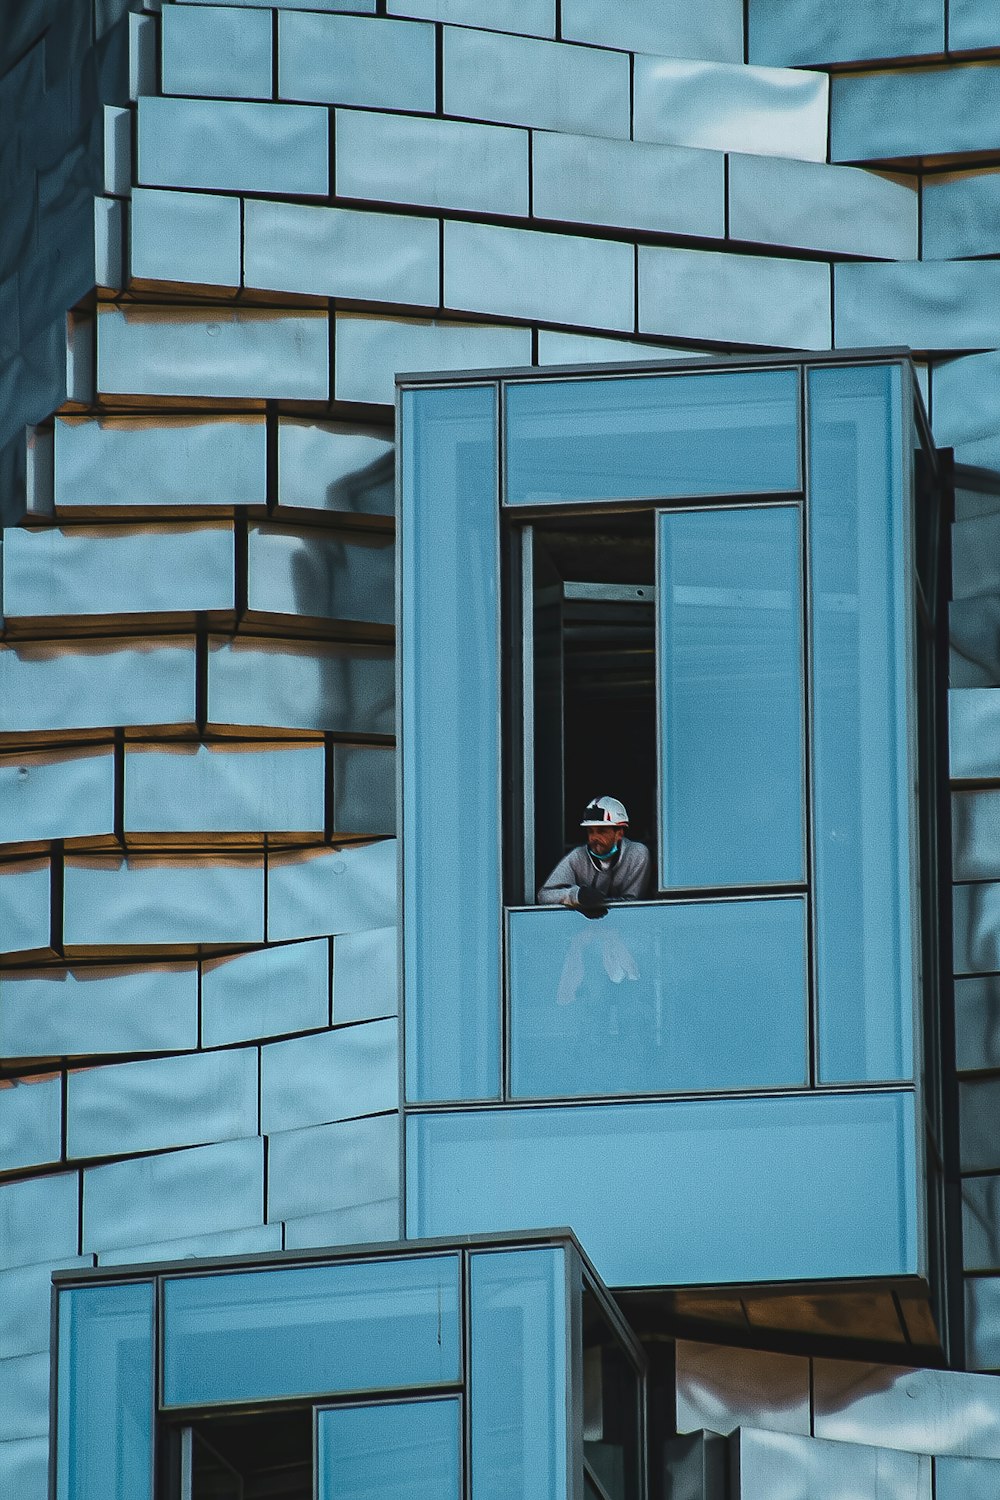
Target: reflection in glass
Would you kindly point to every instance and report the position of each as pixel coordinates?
(519, 1375)
(703, 995)
(404, 1450)
(105, 1373)
(730, 667)
(302, 1331)
(449, 551)
(862, 859)
(722, 433)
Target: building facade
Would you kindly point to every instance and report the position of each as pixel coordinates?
(227, 230)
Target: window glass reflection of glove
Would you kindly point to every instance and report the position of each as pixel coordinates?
(591, 902)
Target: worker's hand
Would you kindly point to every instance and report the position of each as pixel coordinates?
(591, 902)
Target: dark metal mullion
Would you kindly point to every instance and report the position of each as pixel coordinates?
(808, 706)
(465, 1373)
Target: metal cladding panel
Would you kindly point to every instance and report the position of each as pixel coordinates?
(561, 278)
(972, 23)
(268, 993)
(332, 467)
(72, 1012)
(922, 1411)
(225, 788)
(720, 1389)
(631, 184)
(25, 1308)
(528, 17)
(216, 51)
(977, 1007)
(24, 1468)
(336, 1075)
(367, 6)
(369, 352)
(185, 236)
(724, 107)
(379, 64)
(197, 1191)
(960, 214)
(977, 928)
(978, 1101)
(319, 574)
(326, 1168)
(57, 794)
(975, 833)
(778, 201)
(340, 890)
(257, 1239)
(342, 252)
(94, 684)
(965, 1478)
(162, 1102)
(448, 164)
(292, 685)
(556, 348)
(244, 353)
(98, 571)
(233, 147)
(24, 1411)
(364, 789)
(363, 1224)
(546, 84)
(30, 1122)
(735, 298)
(806, 31)
(914, 112)
(39, 1219)
(779, 1463)
(149, 901)
(189, 461)
(25, 906)
(966, 393)
(926, 304)
(712, 30)
(981, 1223)
(982, 1322)
(365, 971)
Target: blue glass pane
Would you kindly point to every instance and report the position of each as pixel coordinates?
(688, 1191)
(404, 1450)
(700, 995)
(730, 668)
(309, 1330)
(449, 559)
(519, 1394)
(718, 433)
(105, 1399)
(858, 559)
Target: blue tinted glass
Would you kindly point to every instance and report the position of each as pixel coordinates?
(858, 548)
(105, 1400)
(403, 1450)
(519, 1393)
(689, 1191)
(261, 1334)
(706, 995)
(449, 558)
(730, 680)
(719, 433)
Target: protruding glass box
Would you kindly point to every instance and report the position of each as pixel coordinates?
(487, 1370)
(710, 590)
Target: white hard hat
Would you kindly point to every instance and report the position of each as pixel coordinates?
(603, 812)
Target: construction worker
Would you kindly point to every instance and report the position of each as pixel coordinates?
(608, 866)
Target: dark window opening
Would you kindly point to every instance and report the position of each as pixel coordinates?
(593, 627)
(264, 1455)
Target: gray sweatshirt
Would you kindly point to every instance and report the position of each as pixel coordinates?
(625, 878)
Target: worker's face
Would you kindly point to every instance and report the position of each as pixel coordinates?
(602, 839)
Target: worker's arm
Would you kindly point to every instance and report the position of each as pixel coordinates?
(562, 887)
